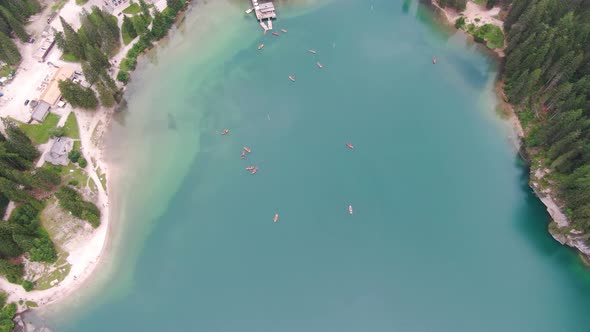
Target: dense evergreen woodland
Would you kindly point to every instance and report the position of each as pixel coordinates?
(547, 75)
(24, 185)
(96, 40)
(99, 38)
(13, 16)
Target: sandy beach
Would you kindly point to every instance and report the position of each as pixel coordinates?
(87, 247)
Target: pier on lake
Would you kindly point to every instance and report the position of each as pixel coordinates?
(263, 11)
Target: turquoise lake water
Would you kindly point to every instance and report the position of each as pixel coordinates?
(446, 235)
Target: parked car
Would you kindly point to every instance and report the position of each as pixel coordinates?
(31, 41)
(26, 102)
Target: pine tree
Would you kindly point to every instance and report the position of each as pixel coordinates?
(90, 72)
(96, 58)
(108, 28)
(77, 95)
(140, 24)
(175, 5)
(8, 248)
(4, 27)
(18, 142)
(145, 10)
(8, 51)
(12, 272)
(89, 32)
(160, 25)
(105, 95)
(14, 24)
(128, 28)
(72, 40)
(11, 191)
(18, 9)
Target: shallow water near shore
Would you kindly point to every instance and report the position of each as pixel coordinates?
(446, 234)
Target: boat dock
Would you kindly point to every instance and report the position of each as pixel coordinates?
(264, 11)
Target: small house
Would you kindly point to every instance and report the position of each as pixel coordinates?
(58, 154)
(40, 111)
(44, 49)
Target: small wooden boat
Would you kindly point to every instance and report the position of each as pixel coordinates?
(247, 149)
(225, 132)
(276, 218)
(292, 78)
(312, 51)
(243, 154)
(249, 168)
(350, 209)
(350, 146)
(319, 65)
(283, 30)
(434, 60)
(249, 10)
(261, 46)
(254, 171)
(275, 33)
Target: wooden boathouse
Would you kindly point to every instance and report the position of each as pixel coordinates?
(264, 10)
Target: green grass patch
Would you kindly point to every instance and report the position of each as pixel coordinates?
(31, 304)
(81, 2)
(480, 2)
(58, 5)
(71, 127)
(92, 185)
(70, 58)
(133, 9)
(39, 133)
(58, 274)
(73, 175)
(102, 177)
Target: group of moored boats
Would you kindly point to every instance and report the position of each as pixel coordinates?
(291, 77)
(254, 169)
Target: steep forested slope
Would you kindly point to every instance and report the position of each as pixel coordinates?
(547, 76)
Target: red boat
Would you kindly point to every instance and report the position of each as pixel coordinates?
(249, 168)
(247, 149)
(243, 154)
(312, 51)
(276, 218)
(319, 65)
(283, 30)
(434, 60)
(350, 146)
(350, 209)
(254, 171)
(292, 78)
(275, 33)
